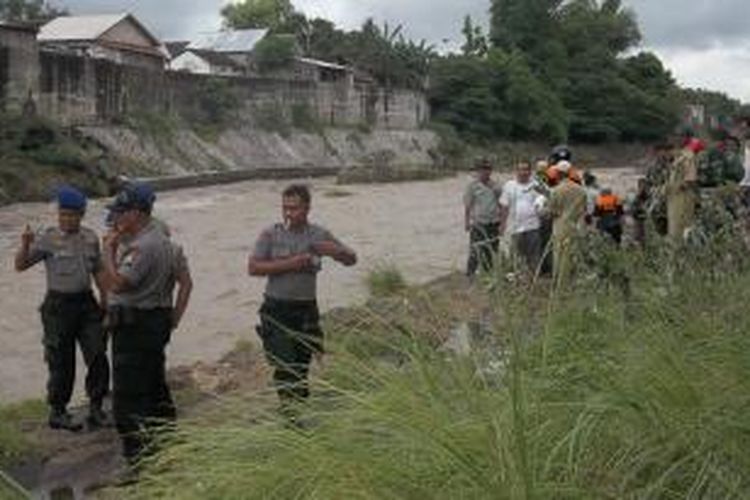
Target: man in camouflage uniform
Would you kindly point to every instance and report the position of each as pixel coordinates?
(143, 266)
(567, 207)
(70, 312)
(655, 202)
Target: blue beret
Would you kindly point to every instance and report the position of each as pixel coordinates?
(70, 198)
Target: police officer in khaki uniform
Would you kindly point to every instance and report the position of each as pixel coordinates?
(482, 218)
(143, 266)
(289, 254)
(70, 312)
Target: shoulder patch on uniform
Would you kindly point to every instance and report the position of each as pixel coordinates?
(130, 255)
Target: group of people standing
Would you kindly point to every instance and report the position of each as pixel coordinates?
(543, 213)
(540, 210)
(143, 287)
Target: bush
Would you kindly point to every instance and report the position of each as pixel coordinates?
(272, 118)
(274, 52)
(218, 101)
(304, 118)
(385, 280)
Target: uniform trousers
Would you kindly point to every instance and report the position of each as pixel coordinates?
(141, 402)
(291, 334)
(68, 318)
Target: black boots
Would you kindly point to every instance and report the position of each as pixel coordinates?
(97, 418)
(59, 418)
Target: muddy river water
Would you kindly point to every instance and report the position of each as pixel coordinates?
(416, 226)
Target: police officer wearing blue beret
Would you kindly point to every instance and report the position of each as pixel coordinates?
(70, 312)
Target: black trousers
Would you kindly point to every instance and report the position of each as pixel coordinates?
(291, 334)
(529, 246)
(141, 399)
(484, 240)
(69, 319)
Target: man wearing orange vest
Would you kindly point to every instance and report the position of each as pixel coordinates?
(608, 212)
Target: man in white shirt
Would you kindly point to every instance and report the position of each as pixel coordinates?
(520, 205)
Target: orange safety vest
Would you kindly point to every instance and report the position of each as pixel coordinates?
(607, 203)
(555, 176)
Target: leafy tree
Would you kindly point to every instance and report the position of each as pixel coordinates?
(465, 93)
(257, 14)
(475, 43)
(274, 51)
(28, 10)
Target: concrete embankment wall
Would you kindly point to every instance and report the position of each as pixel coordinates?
(247, 153)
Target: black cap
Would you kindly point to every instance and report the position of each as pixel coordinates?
(134, 196)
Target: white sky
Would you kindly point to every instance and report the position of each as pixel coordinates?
(705, 43)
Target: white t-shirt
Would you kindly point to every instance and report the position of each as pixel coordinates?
(746, 180)
(522, 202)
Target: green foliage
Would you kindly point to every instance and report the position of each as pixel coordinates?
(385, 280)
(451, 147)
(495, 97)
(14, 443)
(581, 395)
(557, 71)
(274, 52)
(257, 14)
(160, 126)
(29, 10)
(272, 117)
(40, 141)
(475, 43)
(304, 117)
(217, 102)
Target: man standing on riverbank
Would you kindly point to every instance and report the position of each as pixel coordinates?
(482, 218)
(142, 266)
(70, 312)
(567, 207)
(519, 203)
(289, 254)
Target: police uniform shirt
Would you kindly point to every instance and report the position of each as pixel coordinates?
(278, 242)
(69, 258)
(147, 263)
(482, 200)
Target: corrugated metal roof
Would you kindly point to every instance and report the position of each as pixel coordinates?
(322, 64)
(228, 41)
(78, 27)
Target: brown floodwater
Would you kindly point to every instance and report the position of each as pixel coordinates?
(416, 226)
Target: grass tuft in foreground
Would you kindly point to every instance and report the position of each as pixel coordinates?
(600, 394)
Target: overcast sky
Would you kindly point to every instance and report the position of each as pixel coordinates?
(705, 43)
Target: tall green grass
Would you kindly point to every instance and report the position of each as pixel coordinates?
(601, 394)
(14, 442)
(385, 280)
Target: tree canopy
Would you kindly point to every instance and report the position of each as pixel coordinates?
(28, 10)
(569, 71)
(546, 70)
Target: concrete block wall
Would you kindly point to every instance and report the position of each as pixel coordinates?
(19, 71)
(77, 89)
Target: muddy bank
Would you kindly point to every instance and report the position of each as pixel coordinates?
(79, 464)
